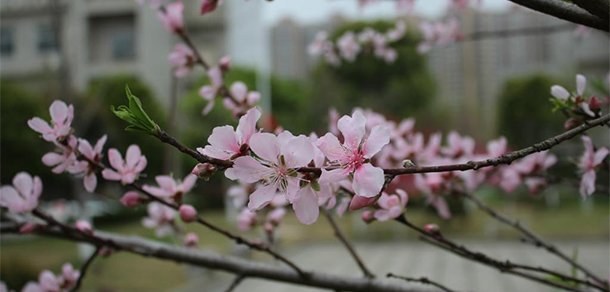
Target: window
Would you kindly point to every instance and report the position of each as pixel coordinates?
(7, 41)
(123, 45)
(47, 39)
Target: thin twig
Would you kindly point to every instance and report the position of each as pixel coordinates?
(504, 266)
(85, 268)
(534, 239)
(339, 234)
(235, 283)
(422, 280)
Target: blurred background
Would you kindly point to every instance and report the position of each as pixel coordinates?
(85, 51)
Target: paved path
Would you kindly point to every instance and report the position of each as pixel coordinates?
(419, 259)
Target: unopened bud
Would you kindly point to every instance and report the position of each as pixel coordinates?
(191, 240)
(432, 229)
(187, 213)
(224, 63)
(359, 202)
(367, 216)
(594, 104)
(407, 163)
(131, 199)
(204, 170)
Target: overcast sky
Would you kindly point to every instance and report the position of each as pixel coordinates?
(312, 11)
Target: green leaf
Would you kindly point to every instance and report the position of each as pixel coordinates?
(135, 115)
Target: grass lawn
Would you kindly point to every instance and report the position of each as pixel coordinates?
(23, 258)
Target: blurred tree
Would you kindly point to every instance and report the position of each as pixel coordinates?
(524, 111)
(22, 148)
(403, 88)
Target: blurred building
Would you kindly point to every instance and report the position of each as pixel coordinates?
(97, 38)
(471, 74)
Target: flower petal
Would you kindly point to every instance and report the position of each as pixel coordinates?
(587, 184)
(332, 176)
(133, 156)
(115, 159)
(261, 197)
(39, 125)
(110, 174)
(90, 182)
(581, 84)
(297, 152)
(379, 137)
(353, 129)
(266, 146)
(23, 183)
(332, 149)
(59, 112)
(559, 92)
(368, 180)
(248, 170)
(306, 206)
(247, 125)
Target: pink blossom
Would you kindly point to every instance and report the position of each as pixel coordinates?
(93, 154)
(354, 155)
(242, 99)
(191, 240)
(368, 217)
(458, 145)
(127, 170)
(84, 226)
(172, 17)
(439, 33)
(61, 118)
(391, 206)
(497, 147)
(246, 220)
(397, 32)
(209, 92)
(65, 159)
(239, 194)
(275, 166)
(160, 218)
(23, 195)
(48, 281)
(204, 170)
(170, 188)
(535, 184)
(511, 179)
(535, 163)
(440, 204)
(187, 213)
(183, 58)
(588, 164)
(69, 276)
(226, 143)
(131, 199)
(275, 217)
(208, 6)
(348, 47)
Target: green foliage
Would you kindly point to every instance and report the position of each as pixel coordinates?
(22, 148)
(135, 115)
(107, 91)
(402, 88)
(524, 112)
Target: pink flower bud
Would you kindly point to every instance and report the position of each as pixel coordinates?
(131, 199)
(224, 63)
(28, 228)
(191, 240)
(204, 170)
(594, 104)
(187, 213)
(84, 226)
(432, 228)
(208, 6)
(367, 216)
(359, 202)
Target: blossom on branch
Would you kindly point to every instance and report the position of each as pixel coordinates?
(391, 206)
(183, 58)
(171, 18)
(439, 34)
(160, 218)
(61, 120)
(227, 143)
(209, 92)
(588, 164)
(90, 166)
(127, 170)
(169, 188)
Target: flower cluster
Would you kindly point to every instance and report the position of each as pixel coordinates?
(49, 282)
(23, 195)
(576, 102)
(589, 162)
(349, 45)
(439, 34)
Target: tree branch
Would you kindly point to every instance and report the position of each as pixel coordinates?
(599, 8)
(235, 283)
(534, 239)
(339, 234)
(503, 266)
(231, 264)
(85, 268)
(422, 280)
(566, 11)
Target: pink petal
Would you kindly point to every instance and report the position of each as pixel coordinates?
(379, 137)
(297, 152)
(368, 180)
(23, 183)
(32, 287)
(404, 197)
(306, 206)
(208, 108)
(261, 197)
(581, 84)
(248, 170)
(353, 129)
(59, 112)
(115, 159)
(442, 208)
(48, 281)
(382, 215)
(188, 183)
(99, 145)
(559, 92)
(247, 125)
(157, 192)
(600, 155)
(11, 199)
(85, 149)
(224, 138)
(52, 159)
(332, 176)
(239, 91)
(109, 174)
(39, 125)
(332, 149)
(214, 152)
(133, 156)
(215, 75)
(359, 202)
(141, 164)
(90, 182)
(343, 206)
(266, 146)
(587, 184)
